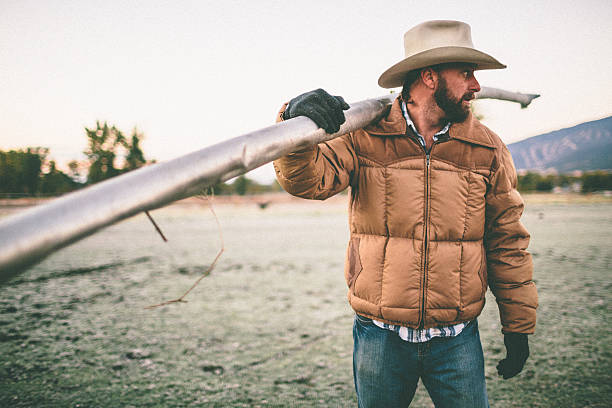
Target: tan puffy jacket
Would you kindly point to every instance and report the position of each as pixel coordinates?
(428, 233)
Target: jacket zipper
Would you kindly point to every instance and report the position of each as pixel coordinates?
(426, 241)
(421, 322)
(426, 221)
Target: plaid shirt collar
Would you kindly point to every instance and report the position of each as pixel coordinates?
(410, 124)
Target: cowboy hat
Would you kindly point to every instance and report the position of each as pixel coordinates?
(437, 42)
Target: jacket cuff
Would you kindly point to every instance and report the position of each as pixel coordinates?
(279, 116)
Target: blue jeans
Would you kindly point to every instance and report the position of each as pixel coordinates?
(387, 368)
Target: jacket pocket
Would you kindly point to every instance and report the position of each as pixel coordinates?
(482, 271)
(354, 262)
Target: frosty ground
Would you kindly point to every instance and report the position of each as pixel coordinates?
(271, 326)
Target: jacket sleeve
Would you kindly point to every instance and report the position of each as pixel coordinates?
(509, 265)
(320, 171)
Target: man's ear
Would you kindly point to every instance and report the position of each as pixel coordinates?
(429, 77)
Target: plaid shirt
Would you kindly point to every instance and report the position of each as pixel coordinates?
(407, 333)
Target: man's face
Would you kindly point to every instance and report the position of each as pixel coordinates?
(456, 88)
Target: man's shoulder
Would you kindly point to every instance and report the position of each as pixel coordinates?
(493, 137)
(390, 123)
(473, 131)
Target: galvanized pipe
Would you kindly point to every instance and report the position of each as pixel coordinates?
(496, 93)
(28, 237)
(31, 235)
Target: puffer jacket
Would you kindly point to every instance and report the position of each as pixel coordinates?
(428, 232)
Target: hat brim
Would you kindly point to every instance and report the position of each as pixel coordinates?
(394, 76)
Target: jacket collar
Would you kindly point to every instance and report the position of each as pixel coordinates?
(394, 124)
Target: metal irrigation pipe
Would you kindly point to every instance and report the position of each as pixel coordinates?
(28, 237)
(496, 93)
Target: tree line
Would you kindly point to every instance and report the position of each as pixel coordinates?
(29, 172)
(587, 182)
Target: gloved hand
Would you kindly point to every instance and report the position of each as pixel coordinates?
(517, 351)
(324, 109)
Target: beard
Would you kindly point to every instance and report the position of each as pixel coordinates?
(453, 108)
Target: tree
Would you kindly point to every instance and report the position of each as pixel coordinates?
(104, 143)
(20, 170)
(110, 153)
(56, 182)
(28, 173)
(135, 157)
(528, 182)
(596, 181)
(241, 185)
(544, 185)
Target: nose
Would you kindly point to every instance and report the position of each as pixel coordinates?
(474, 85)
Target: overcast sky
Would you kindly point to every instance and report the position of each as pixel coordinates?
(190, 74)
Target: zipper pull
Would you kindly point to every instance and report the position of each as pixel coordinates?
(427, 156)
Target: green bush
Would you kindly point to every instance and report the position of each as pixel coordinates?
(596, 181)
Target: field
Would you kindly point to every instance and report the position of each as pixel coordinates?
(271, 326)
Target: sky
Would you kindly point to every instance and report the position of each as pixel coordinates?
(190, 74)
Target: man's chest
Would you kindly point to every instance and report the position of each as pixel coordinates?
(406, 150)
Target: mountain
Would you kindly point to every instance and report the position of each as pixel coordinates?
(587, 146)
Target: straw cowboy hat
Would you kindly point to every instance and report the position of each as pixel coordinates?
(437, 42)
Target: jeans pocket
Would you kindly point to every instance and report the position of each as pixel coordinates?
(364, 321)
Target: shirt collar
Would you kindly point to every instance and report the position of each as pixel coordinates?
(410, 124)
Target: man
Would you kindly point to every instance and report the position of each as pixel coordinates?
(434, 219)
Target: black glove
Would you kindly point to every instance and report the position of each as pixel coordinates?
(324, 109)
(517, 351)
